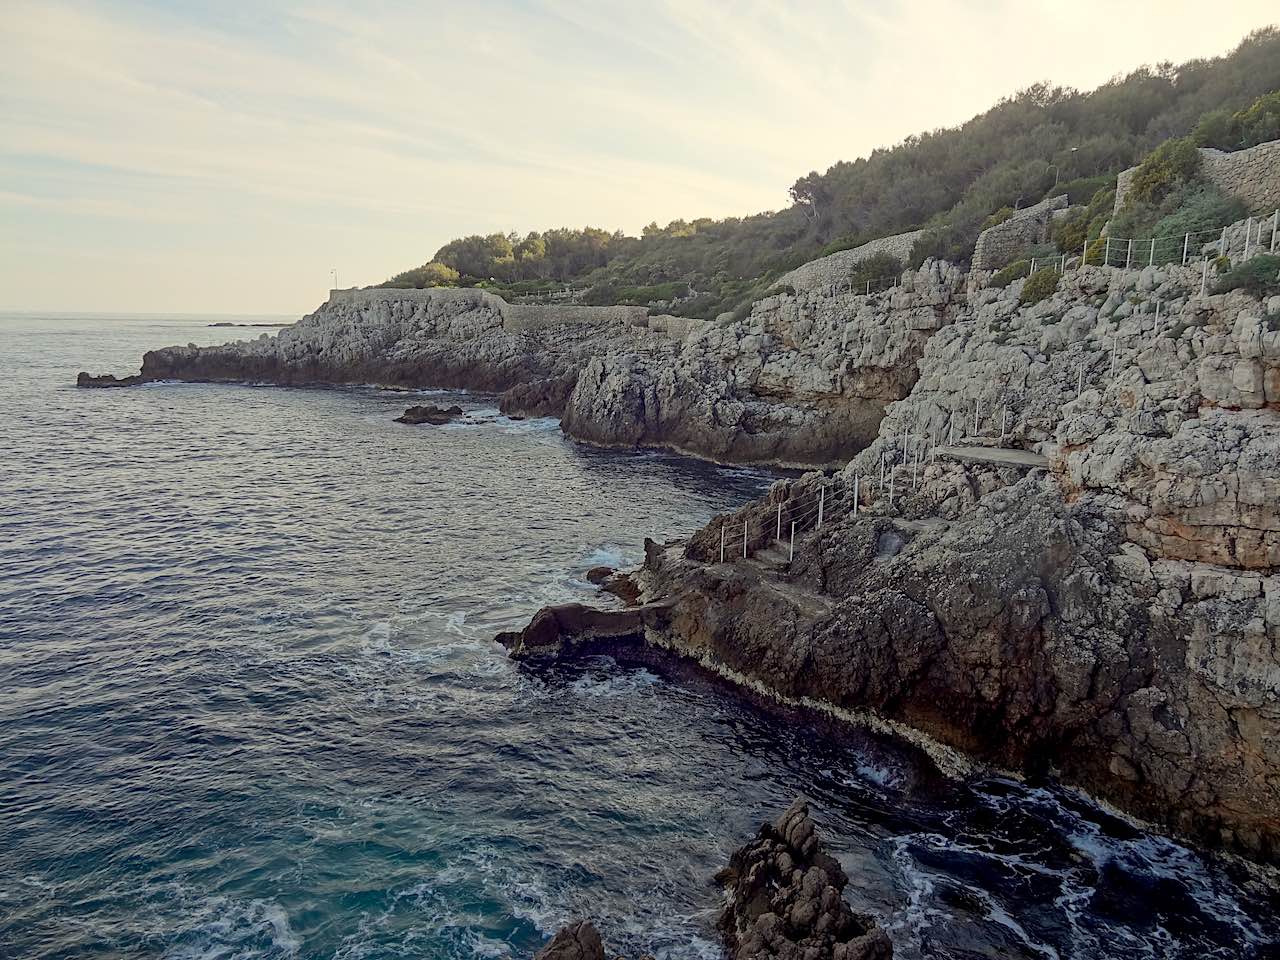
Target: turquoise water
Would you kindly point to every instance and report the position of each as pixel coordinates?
(250, 705)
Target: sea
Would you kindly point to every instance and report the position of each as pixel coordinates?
(251, 704)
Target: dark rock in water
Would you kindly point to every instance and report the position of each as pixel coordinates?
(559, 630)
(576, 941)
(599, 575)
(785, 899)
(624, 587)
(539, 398)
(430, 413)
(107, 380)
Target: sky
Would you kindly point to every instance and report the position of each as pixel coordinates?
(224, 156)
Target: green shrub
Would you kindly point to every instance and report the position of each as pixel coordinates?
(875, 267)
(997, 218)
(1170, 165)
(1071, 232)
(1083, 189)
(1259, 276)
(1014, 271)
(1039, 285)
(1257, 123)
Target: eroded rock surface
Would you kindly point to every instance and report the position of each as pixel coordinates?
(785, 899)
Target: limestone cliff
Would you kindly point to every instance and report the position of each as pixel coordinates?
(1111, 615)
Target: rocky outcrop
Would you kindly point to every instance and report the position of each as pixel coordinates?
(575, 941)
(1112, 620)
(108, 380)
(430, 413)
(802, 381)
(785, 899)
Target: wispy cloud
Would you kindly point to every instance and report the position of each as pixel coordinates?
(279, 140)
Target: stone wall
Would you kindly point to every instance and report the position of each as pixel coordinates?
(828, 271)
(999, 244)
(1252, 176)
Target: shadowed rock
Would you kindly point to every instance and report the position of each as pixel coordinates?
(429, 413)
(107, 380)
(575, 941)
(785, 899)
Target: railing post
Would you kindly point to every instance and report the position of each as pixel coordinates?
(778, 535)
(1222, 243)
(1084, 255)
(1186, 245)
(722, 543)
(856, 480)
(890, 489)
(1128, 260)
(1062, 267)
(975, 417)
(1106, 257)
(1248, 229)
(792, 555)
(951, 429)
(1152, 261)
(1275, 229)
(1004, 423)
(868, 288)
(1204, 275)
(822, 503)
(1080, 381)
(744, 539)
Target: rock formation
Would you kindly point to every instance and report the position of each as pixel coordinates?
(803, 381)
(430, 413)
(785, 899)
(1110, 616)
(575, 941)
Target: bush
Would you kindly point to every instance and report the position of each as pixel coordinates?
(874, 267)
(1014, 271)
(997, 218)
(1257, 123)
(1071, 232)
(1170, 165)
(1039, 285)
(1259, 276)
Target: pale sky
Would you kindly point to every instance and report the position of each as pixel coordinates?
(222, 156)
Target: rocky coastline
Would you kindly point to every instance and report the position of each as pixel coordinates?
(1076, 575)
(1065, 556)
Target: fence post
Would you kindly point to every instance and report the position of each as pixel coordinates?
(1062, 267)
(890, 489)
(1128, 260)
(792, 555)
(1004, 423)
(1033, 267)
(1275, 229)
(778, 535)
(1080, 381)
(975, 417)
(868, 288)
(1186, 243)
(951, 429)
(822, 503)
(1152, 261)
(1106, 258)
(856, 480)
(722, 543)
(882, 455)
(1248, 229)
(1222, 243)
(1114, 339)
(744, 539)
(1204, 275)
(1084, 255)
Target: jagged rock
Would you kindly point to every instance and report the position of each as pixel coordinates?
(599, 575)
(576, 941)
(785, 899)
(429, 413)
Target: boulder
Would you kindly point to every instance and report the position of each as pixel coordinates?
(430, 413)
(785, 899)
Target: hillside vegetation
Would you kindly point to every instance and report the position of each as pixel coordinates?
(951, 182)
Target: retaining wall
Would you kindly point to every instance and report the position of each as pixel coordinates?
(998, 245)
(836, 268)
(1252, 176)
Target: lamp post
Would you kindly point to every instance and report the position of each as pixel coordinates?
(333, 275)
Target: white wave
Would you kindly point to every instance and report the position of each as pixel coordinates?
(227, 929)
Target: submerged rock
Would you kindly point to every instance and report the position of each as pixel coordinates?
(107, 380)
(430, 413)
(785, 899)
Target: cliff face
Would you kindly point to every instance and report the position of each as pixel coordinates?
(803, 381)
(1111, 614)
